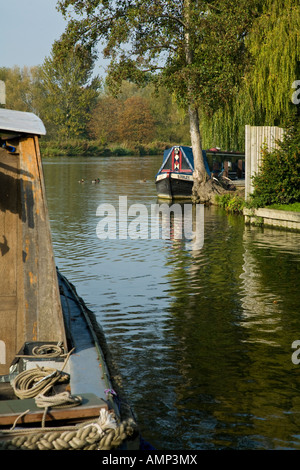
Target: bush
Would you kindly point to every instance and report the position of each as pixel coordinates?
(233, 204)
(278, 181)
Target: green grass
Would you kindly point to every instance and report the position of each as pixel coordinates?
(295, 207)
(86, 147)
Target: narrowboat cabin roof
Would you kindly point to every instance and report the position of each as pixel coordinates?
(21, 122)
(187, 154)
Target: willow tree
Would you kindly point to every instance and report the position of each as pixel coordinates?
(264, 97)
(194, 48)
(275, 47)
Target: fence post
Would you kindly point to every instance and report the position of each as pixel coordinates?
(255, 138)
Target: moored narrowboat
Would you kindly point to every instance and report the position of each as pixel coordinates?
(175, 176)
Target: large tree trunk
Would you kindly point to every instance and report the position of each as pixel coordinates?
(204, 189)
(200, 171)
(200, 175)
(203, 185)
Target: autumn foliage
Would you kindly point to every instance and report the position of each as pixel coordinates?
(135, 122)
(115, 120)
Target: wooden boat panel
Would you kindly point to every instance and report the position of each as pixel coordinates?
(39, 307)
(30, 308)
(10, 257)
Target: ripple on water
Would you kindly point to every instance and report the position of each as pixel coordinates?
(202, 337)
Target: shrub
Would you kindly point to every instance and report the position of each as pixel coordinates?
(278, 181)
(233, 204)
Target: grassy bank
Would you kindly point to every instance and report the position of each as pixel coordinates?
(234, 204)
(295, 207)
(74, 148)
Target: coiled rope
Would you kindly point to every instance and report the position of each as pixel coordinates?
(45, 351)
(48, 350)
(40, 380)
(104, 434)
(32, 382)
(60, 400)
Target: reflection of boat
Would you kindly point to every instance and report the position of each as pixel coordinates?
(181, 221)
(56, 381)
(175, 176)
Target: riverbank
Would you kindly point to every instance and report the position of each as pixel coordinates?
(289, 220)
(232, 202)
(88, 148)
(286, 216)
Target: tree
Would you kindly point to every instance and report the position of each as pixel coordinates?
(23, 89)
(194, 48)
(171, 122)
(163, 120)
(114, 120)
(70, 93)
(275, 47)
(264, 97)
(136, 123)
(103, 124)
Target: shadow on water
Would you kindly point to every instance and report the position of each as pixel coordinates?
(202, 336)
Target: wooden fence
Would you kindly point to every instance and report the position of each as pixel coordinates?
(2, 92)
(255, 138)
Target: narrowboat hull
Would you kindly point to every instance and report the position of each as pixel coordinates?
(174, 179)
(174, 186)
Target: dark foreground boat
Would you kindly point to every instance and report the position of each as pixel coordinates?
(175, 176)
(58, 384)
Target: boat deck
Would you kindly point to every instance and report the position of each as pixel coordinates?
(85, 366)
(28, 412)
(87, 370)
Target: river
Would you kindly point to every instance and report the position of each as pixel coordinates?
(202, 335)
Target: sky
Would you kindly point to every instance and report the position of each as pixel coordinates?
(28, 30)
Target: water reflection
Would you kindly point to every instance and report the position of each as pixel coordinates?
(180, 221)
(202, 336)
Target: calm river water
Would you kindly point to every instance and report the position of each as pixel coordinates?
(203, 337)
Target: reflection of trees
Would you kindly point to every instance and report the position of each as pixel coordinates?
(234, 327)
(204, 288)
(260, 294)
(270, 301)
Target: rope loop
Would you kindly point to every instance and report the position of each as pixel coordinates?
(48, 350)
(32, 382)
(61, 400)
